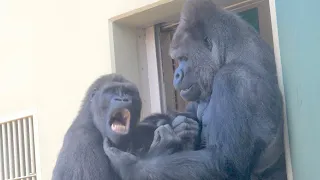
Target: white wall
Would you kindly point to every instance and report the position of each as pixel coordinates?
(50, 51)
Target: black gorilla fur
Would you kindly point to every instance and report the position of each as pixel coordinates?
(229, 73)
(155, 136)
(103, 110)
(82, 156)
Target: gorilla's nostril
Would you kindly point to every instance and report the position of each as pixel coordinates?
(177, 76)
(122, 99)
(125, 99)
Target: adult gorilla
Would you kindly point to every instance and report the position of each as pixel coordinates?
(82, 156)
(230, 74)
(111, 111)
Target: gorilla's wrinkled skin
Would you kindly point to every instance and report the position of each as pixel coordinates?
(229, 73)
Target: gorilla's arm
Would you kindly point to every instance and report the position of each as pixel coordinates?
(188, 165)
(82, 157)
(165, 142)
(188, 127)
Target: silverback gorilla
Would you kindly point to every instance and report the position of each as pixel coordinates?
(111, 111)
(229, 74)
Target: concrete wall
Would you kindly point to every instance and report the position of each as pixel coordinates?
(50, 51)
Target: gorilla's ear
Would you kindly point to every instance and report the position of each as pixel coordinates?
(93, 93)
(197, 11)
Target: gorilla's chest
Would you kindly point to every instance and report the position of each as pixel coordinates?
(204, 115)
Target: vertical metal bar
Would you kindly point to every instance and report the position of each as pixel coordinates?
(15, 149)
(5, 156)
(1, 156)
(26, 147)
(21, 149)
(10, 150)
(32, 151)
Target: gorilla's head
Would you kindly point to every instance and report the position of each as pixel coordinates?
(195, 46)
(115, 107)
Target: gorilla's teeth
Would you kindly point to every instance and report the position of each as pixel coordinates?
(118, 128)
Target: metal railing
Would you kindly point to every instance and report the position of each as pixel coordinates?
(17, 149)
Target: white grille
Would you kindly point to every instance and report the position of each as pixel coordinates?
(17, 149)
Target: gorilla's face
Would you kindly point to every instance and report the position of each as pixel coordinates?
(116, 110)
(193, 51)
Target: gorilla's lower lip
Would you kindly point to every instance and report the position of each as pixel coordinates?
(191, 94)
(186, 90)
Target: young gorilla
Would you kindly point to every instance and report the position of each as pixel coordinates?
(111, 111)
(154, 135)
(229, 73)
(165, 140)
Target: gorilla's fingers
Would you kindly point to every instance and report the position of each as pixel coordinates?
(164, 132)
(161, 122)
(167, 135)
(106, 144)
(167, 130)
(110, 152)
(186, 127)
(182, 119)
(187, 134)
(157, 135)
(117, 156)
(156, 138)
(178, 120)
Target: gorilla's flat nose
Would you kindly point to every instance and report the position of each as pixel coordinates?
(178, 76)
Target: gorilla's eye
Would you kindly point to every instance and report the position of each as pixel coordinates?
(110, 91)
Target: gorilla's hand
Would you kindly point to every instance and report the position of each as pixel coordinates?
(165, 141)
(188, 130)
(119, 160)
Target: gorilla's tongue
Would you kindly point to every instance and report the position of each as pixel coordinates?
(121, 121)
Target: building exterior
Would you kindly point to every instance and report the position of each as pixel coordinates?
(50, 52)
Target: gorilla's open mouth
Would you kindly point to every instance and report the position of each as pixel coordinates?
(120, 121)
